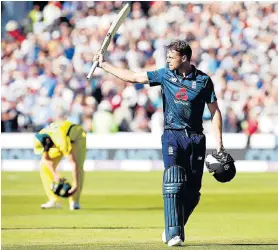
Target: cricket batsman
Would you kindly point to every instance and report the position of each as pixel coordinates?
(185, 91)
(61, 138)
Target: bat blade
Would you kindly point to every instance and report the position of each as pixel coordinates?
(114, 27)
(110, 34)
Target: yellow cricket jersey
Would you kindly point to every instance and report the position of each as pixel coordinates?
(59, 134)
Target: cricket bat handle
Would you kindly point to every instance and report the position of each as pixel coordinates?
(95, 64)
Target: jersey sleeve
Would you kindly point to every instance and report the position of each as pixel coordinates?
(38, 147)
(210, 96)
(156, 77)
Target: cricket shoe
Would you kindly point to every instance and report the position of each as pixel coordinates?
(163, 237)
(176, 241)
(51, 204)
(74, 205)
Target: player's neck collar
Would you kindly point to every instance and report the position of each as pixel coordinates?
(191, 75)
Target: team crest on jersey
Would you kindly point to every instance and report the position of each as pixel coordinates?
(181, 97)
(194, 85)
(182, 94)
(170, 150)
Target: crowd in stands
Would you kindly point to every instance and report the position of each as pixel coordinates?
(46, 58)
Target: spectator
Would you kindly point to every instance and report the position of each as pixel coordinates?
(251, 125)
(13, 30)
(231, 122)
(140, 122)
(9, 116)
(51, 12)
(35, 15)
(235, 42)
(103, 121)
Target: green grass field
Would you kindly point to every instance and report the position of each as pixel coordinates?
(124, 210)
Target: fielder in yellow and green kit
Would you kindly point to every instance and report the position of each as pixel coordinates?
(61, 138)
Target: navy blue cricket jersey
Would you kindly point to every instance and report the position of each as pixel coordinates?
(183, 98)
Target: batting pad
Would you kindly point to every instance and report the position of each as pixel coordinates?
(174, 181)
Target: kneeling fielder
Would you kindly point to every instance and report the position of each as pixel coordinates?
(60, 139)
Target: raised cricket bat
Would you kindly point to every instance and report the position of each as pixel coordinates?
(110, 34)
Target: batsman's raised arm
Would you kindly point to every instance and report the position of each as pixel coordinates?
(124, 74)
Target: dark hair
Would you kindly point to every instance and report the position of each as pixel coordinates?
(182, 47)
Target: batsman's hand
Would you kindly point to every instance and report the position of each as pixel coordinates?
(57, 177)
(99, 57)
(72, 190)
(215, 160)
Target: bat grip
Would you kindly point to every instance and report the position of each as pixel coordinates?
(95, 64)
